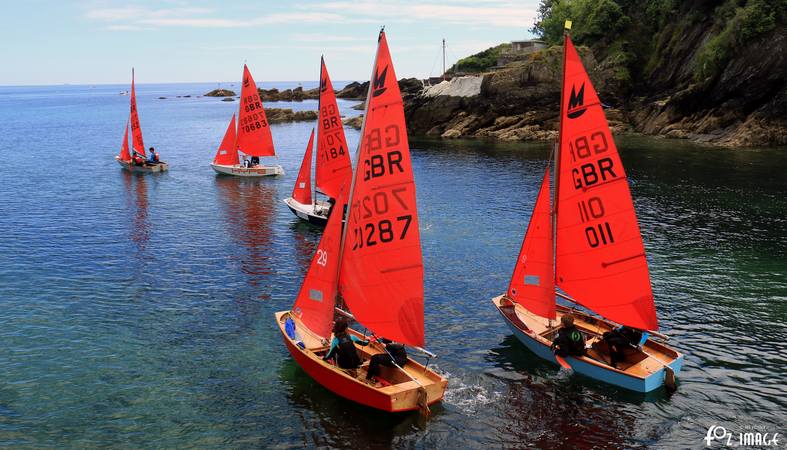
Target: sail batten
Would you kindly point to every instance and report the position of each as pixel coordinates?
(333, 167)
(254, 134)
(381, 275)
(599, 255)
(302, 192)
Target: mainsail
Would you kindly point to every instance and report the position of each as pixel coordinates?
(600, 259)
(226, 154)
(382, 276)
(302, 192)
(333, 161)
(254, 134)
(316, 299)
(136, 131)
(125, 155)
(533, 283)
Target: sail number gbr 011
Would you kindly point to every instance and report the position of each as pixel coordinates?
(593, 168)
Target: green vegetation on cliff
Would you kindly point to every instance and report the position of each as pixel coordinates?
(635, 36)
(480, 62)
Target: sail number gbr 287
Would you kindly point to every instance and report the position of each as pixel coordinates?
(382, 213)
(592, 167)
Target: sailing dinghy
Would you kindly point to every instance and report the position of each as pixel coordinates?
(252, 138)
(333, 167)
(125, 158)
(374, 263)
(587, 244)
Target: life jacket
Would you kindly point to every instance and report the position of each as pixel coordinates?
(346, 353)
(155, 156)
(398, 352)
(571, 340)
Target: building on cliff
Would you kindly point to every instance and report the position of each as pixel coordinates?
(518, 50)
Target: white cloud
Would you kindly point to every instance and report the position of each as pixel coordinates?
(485, 13)
(137, 17)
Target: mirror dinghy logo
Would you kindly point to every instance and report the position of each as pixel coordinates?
(576, 102)
(245, 81)
(323, 84)
(379, 82)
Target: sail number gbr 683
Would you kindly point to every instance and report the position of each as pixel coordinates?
(592, 167)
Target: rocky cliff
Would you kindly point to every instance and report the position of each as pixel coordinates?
(708, 71)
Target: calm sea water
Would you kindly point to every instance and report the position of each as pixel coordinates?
(137, 311)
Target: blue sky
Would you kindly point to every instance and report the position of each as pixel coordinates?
(97, 41)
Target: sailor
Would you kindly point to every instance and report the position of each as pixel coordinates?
(618, 340)
(153, 158)
(569, 340)
(343, 346)
(255, 161)
(137, 159)
(394, 354)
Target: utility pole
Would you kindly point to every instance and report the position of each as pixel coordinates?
(443, 59)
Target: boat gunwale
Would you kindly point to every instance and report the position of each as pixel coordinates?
(585, 359)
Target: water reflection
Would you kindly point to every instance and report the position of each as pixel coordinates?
(342, 423)
(548, 408)
(249, 208)
(137, 197)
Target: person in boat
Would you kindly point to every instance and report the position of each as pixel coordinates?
(137, 159)
(569, 340)
(331, 203)
(255, 161)
(154, 157)
(618, 340)
(395, 355)
(343, 347)
(246, 164)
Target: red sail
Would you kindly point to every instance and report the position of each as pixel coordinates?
(382, 276)
(125, 155)
(600, 259)
(136, 131)
(333, 160)
(302, 192)
(254, 135)
(317, 298)
(533, 282)
(227, 155)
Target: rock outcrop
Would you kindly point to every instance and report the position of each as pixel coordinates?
(288, 95)
(278, 115)
(220, 93)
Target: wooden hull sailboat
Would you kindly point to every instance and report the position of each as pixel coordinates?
(146, 168)
(124, 158)
(316, 213)
(332, 168)
(378, 273)
(645, 369)
(253, 171)
(587, 244)
(403, 393)
(252, 137)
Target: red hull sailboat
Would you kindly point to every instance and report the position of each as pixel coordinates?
(333, 167)
(587, 244)
(374, 263)
(137, 162)
(252, 137)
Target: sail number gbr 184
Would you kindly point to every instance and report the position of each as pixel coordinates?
(592, 166)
